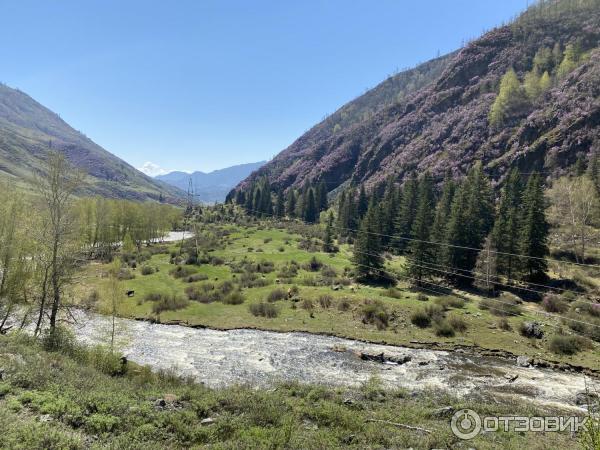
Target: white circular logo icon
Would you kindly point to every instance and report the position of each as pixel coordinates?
(466, 424)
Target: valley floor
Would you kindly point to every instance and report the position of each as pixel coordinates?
(273, 266)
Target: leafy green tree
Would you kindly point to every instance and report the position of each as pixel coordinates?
(557, 55)
(486, 267)
(421, 252)
(128, 244)
(367, 247)
(532, 85)
(575, 207)
(56, 191)
(406, 214)
(505, 234)
(509, 101)
(569, 62)
(543, 61)
(534, 230)
(545, 82)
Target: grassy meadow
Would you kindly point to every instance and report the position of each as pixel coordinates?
(281, 280)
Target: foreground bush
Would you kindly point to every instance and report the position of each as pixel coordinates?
(567, 345)
(449, 302)
(554, 304)
(502, 306)
(182, 271)
(264, 309)
(169, 303)
(424, 317)
(235, 298)
(147, 270)
(444, 329)
(276, 295)
(375, 313)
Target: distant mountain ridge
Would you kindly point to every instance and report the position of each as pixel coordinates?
(28, 130)
(213, 186)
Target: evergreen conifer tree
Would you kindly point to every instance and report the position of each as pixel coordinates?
(505, 234)
(280, 204)
(421, 252)
(311, 214)
(328, 236)
(470, 221)
(406, 214)
(290, 207)
(322, 196)
(363, 203)
(534, 230)
(442, 213)
(367, 247)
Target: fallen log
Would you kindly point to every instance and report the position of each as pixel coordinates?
(400, 425)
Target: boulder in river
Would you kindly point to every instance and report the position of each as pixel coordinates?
(586, 398)
(381, 358)
(524, 361)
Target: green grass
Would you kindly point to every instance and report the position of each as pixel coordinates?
(481, 329)
(70, 400)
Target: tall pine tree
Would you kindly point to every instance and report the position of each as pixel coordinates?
(367, 247)
(442, 213)
(322, 196)
(406, 214)
(534, 231)
(311, 214)
(280, 204)
(421, 252)
(328, 246)
(363, 203)
(505, 234)
(470, 221)
(290, 207)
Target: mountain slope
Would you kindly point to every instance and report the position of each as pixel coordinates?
(444, 124)
(28, 130)
(213, 186)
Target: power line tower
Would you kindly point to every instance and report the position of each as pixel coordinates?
(188, 213)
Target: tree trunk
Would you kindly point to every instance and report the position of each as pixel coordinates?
(55, 285)
(38, 325)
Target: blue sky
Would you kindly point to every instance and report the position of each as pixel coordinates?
(201, 85)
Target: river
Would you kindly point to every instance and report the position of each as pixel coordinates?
(263, 358)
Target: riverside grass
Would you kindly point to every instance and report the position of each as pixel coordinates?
(77, 397)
